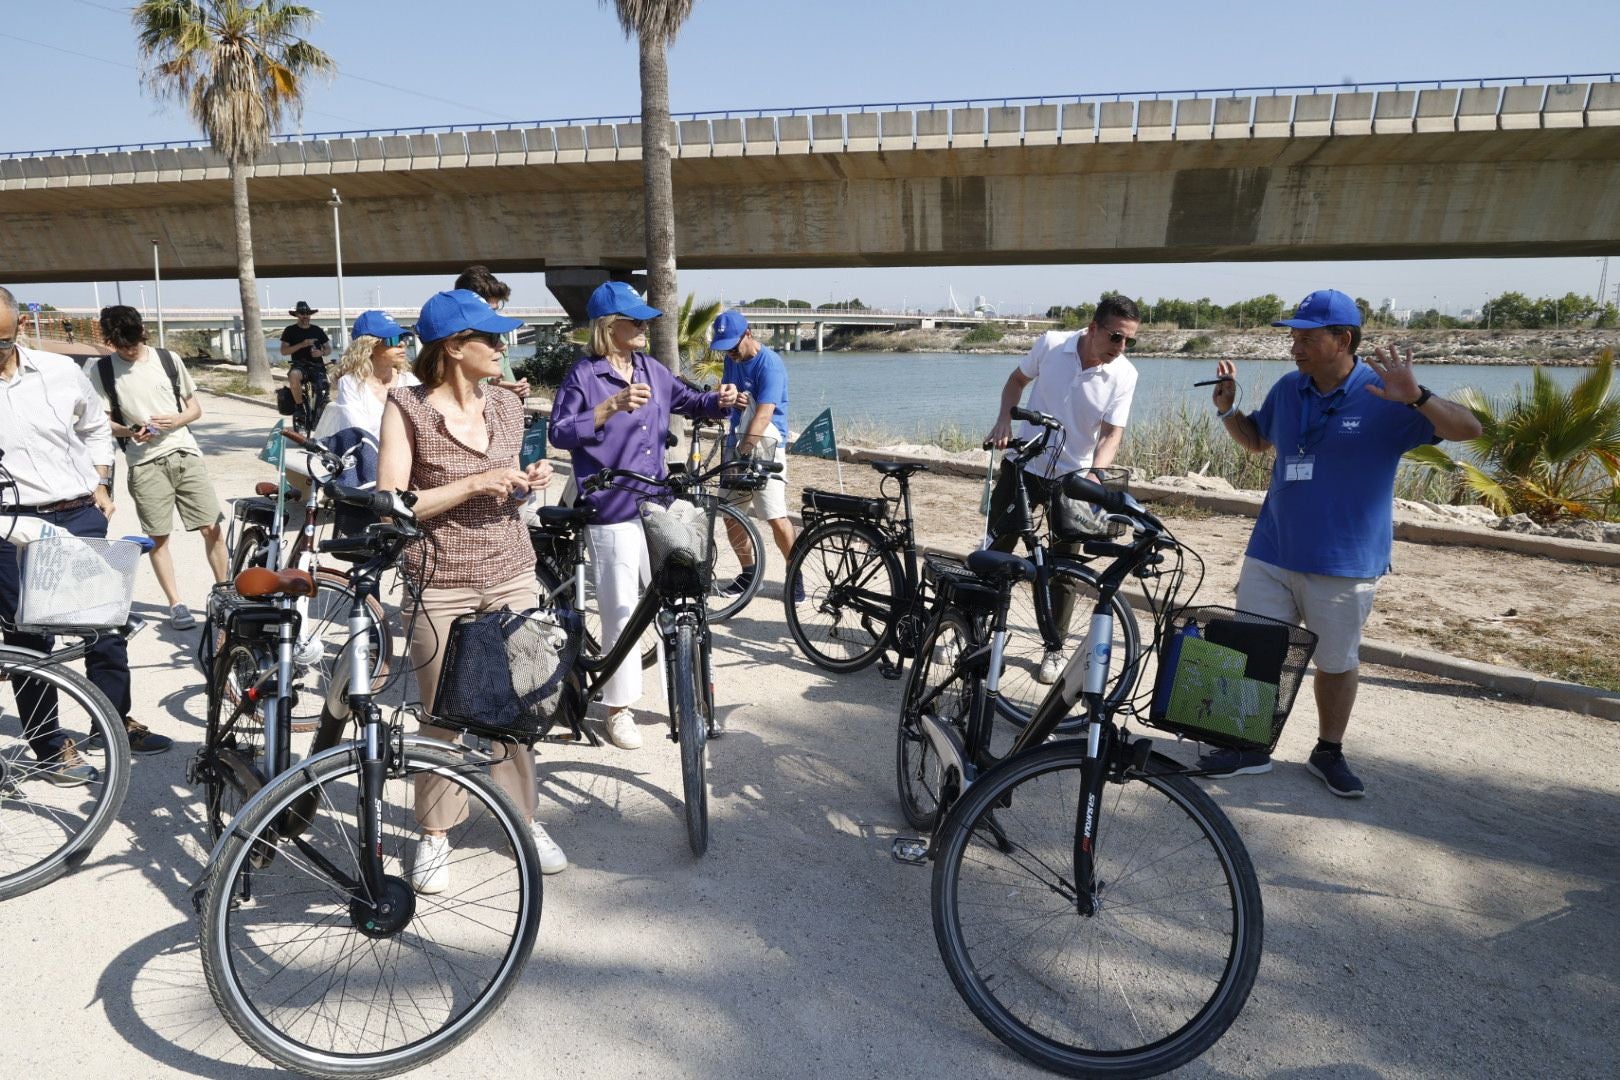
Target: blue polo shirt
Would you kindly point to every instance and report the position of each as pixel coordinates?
(764, 379)
(1341, 521)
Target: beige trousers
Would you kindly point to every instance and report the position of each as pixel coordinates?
(439, 804)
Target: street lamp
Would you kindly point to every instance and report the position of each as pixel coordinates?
(157, 289)
(337, 240)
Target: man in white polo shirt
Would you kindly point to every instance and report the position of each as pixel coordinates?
(1084, 380)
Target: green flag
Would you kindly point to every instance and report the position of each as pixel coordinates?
(273, 446)
(817, 439)
(534, 442)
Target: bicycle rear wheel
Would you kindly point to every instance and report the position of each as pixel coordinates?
(252, 549)
(931, 687)
(1147, 982)
(231, 764)
(852, 588)
(689, 709)
(51, 819)
(728, 593)
(325, 979)
(1021, 691)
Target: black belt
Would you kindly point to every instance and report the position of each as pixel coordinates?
(56, 507)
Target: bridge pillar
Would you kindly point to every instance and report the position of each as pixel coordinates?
(819, 327)
(573, 285)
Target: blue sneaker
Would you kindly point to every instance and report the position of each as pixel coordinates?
(1219, 764)
(1330, 767)
(739, 584)
(798, 588)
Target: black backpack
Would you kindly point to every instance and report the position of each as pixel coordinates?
(104, 368)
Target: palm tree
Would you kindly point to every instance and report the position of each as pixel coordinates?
(1550, 454)
(654, 24)
(700, 363)
(239, 67)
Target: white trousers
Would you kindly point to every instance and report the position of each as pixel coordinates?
(620, 567)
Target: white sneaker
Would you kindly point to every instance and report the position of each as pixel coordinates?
(431, 872)
(621, 729)
(1051, 667)
(552, 859)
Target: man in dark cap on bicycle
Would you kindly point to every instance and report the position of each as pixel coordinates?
(1339, 424)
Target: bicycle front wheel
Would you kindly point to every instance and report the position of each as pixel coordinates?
(933, 688)
(1021, 688)
(53, 810)
(1163, 964)
(852, 585)
(326, 978)
(737, 544)
(690, 712)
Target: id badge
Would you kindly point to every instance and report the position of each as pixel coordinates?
(1298, 466)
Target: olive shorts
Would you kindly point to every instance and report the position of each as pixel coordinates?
(174, 481)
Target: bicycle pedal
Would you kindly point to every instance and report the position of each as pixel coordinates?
(911, 850)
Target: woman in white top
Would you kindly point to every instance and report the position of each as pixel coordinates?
(372, 365)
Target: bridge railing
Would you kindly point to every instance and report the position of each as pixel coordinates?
(1230, 113)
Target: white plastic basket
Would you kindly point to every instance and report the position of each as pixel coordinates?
(76, 581)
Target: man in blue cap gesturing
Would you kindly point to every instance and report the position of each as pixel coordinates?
(758, 372)
(1340, 424)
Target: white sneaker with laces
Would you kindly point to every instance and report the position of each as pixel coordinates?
(621, 729)
(431, 872)
(552, 859)
(1051, 667)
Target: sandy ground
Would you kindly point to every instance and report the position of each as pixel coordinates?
(1491, 606)
(1457, 923)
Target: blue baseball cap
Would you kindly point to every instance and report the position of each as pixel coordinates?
(1324, 307)
(618, 298)
(456, 310)
(377, 324)
(729, 329)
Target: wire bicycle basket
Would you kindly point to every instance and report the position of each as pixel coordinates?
(1228, 678)
(77, 582)
(680, 542)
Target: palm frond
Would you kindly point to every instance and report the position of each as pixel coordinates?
(657, 20)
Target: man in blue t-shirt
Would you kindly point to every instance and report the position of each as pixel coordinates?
(758, 373)
(1339, 425)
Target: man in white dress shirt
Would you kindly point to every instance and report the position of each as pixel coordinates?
(58, 447)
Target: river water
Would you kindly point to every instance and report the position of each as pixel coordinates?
(917, 394)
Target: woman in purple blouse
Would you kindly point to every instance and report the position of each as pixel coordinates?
(612, 412)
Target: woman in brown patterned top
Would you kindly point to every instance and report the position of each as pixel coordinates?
(454, 441)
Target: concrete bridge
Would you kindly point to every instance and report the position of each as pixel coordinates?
(1393, 172)
(791, 328)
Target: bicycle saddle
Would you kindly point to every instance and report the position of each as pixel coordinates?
(265, 489)
(260, 583)
(565, 517)
(1000, 566)
(898, 468)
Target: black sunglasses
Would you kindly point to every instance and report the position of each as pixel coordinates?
(488, 337)
(1115, 337)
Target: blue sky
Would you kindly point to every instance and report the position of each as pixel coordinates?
(76, 83)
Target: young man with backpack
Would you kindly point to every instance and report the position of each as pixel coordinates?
(152, 399)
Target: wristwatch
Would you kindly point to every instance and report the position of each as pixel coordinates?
(106, 482)
(1422, 399)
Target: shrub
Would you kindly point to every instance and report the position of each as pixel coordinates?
(1199, 343)
(984, 334)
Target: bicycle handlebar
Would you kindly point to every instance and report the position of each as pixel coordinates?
(1045, 420)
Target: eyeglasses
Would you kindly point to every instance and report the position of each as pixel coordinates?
(397, 339)
(6, 344)
(639, 324)
(1115, 337)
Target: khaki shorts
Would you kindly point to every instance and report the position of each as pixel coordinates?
(770, 501)
(174, 481)
(1333, 608)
